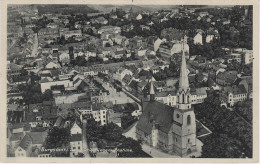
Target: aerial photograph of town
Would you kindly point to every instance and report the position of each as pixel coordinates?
(129, 81)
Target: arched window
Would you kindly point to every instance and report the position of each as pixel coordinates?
(183, 98)
(188, 120)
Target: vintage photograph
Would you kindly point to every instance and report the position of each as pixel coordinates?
(129, 81)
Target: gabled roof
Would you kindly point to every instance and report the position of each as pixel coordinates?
(240, 89)
(142, 84)
(165, 94)
(77, 122)
(20, 78)
(127, 79)
(25, 142)
(38, 137)
(46, 80)
(17, 136)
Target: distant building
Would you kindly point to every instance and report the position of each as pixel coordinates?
(226, 78)
(109, 29)
(25, 147)
(68, 34)
(13, 69)
(121, 73)
(99, 20)
(167, 49)
(198, 38)
(233, 94)
(48, 32)
(76, 145)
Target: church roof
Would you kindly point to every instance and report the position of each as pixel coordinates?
(155, 112)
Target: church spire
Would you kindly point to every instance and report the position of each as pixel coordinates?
(152, 92)
(183, 82)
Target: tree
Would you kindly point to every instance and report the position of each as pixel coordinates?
(230, 132)
(31, 93)
(58, 138)
(24, 72)
(229, 147)
(80, 61)
(48, 96)
(131, 148)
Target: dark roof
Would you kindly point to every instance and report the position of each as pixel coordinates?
(15, 116)
(156, 112)
(26, 141)
(164, 94)
(229, 76)
(58, 87)
(27, 127)
(240, 89)
(38, 137)
(20, 78)
(127, 79)
(173, 34)
(133, 84)
(76, 137)
(17, 136)
(81, 105)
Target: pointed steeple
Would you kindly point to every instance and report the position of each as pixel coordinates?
(152, 92)
(131, 10)
(183, 82)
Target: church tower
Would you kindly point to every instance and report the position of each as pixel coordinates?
(152, 92)
(184, 126)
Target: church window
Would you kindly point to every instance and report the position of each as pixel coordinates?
(178, 116)
(183, 98)
(176, 139)
(188, 120)
(188, 140)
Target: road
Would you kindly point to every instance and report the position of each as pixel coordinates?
(35, 46)
(114, 96)
(84, 139)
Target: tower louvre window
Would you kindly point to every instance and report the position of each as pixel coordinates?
(188, 120)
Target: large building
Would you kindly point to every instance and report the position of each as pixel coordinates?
(171, 129)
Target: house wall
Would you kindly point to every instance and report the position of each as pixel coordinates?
(20, 152)
(76, 148)
(45, 86)
(67, 99)
(198, 39)
(75, 129)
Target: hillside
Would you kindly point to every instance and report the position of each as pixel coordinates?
(66, 9)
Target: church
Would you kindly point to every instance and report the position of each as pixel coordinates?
(170, 129)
